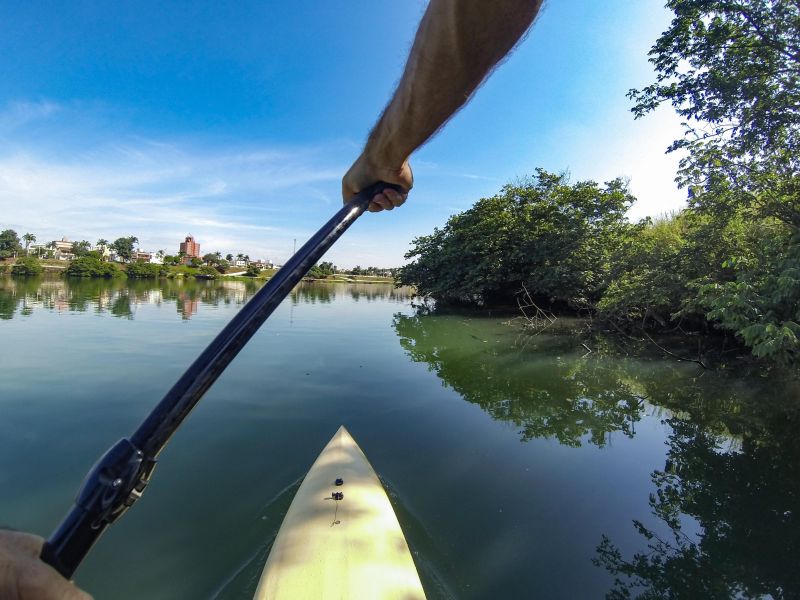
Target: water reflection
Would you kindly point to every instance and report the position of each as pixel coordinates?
(325, 293)
(546, 394)
(733, 467)
(122, 298)
(729, 491)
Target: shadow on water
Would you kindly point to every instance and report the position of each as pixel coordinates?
(729, 491)
(122, 297)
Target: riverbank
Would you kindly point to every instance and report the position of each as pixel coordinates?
(92, 268)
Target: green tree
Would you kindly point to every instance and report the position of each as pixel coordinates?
(140, 270)
(552, 236)
(28, 238)
(648, 273)
(252, 271)
(762, 303)
(206, 272)
(210, 258)
(124, 247)
(9, 243)
(27, 266)
(322, 270)
(86, 266)
(229, 257)
(81, 248)
(731, 69)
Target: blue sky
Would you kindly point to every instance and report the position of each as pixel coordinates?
(235, 122)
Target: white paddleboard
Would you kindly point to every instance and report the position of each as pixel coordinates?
(340, 547)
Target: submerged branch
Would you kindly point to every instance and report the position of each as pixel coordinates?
(672, 354)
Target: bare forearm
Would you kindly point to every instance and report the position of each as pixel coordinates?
(457, 45)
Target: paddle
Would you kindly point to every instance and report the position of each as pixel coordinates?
(118, 479)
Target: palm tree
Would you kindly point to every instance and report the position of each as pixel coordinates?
(229, 257)
(28, 238)
(218, 255)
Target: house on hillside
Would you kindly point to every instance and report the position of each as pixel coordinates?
(39, 250)
(105, 253)
(262, 264)
(62, 249)
(142, 257)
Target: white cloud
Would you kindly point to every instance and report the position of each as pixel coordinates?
(231, 199)
(19, 114)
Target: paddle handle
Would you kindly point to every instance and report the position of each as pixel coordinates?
(119, 478)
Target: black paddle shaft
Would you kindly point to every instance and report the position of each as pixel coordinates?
(118, 479)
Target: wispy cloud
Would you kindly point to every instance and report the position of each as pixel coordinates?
(18, 114)
(232, 198)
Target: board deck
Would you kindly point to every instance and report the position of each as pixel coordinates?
(348, 548)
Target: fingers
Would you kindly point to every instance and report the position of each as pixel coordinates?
(26, 544)
(39, 581)
(389, 199)
(365, 171)
(23, 576)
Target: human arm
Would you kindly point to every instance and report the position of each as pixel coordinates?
(23, 576)
(457, 45)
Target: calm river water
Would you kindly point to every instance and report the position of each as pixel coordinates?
(518, 467)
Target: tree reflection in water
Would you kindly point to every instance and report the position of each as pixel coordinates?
(325, 293)
(733, 461)
(547, 394)
(733, 465)
(121, 297)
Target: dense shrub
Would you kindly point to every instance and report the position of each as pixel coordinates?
(140, 270)
(206, 272)
(647, 275)
(761, 302)
(86, 266)
(552, 236)
(27, 266)
(732, 271)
